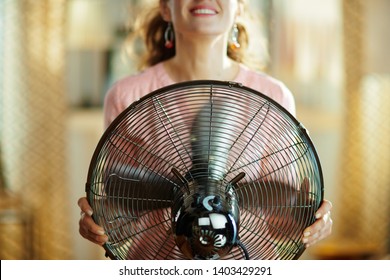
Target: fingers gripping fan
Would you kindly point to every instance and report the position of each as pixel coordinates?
(204, 170)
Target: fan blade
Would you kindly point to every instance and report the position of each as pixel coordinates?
(140, 186)
(210, 142)
(154, 195)
(282, 206)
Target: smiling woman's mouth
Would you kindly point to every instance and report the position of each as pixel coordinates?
(203, 11)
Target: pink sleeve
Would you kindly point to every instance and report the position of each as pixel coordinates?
(287, 100)
(269, 86)
(112, 107)
(131, 88)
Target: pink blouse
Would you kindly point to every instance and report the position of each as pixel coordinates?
(129, 89)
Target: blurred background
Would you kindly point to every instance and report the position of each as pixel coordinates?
(58, 58)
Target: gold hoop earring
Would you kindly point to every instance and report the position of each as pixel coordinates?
(169, 36)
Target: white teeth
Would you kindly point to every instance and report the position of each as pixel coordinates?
(204, 12)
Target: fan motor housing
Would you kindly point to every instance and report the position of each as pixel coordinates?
(205, 220)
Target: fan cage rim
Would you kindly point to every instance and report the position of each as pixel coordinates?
(193, 84)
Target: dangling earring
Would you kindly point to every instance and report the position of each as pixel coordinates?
(233, 40)
(169, 36)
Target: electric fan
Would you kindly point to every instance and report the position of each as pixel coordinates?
(204, 170)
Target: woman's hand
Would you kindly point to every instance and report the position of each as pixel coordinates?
(87, 227)
(321, 228)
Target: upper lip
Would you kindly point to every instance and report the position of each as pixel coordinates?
(203, 7)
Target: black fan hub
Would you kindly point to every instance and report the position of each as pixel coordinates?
(205, 223)
(204, 234)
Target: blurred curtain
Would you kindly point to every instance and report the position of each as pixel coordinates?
(333, 56)
(32, 122)
(364, 211)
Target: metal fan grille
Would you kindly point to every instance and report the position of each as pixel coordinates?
(131, 187)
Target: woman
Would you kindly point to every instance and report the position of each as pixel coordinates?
(195, 40)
